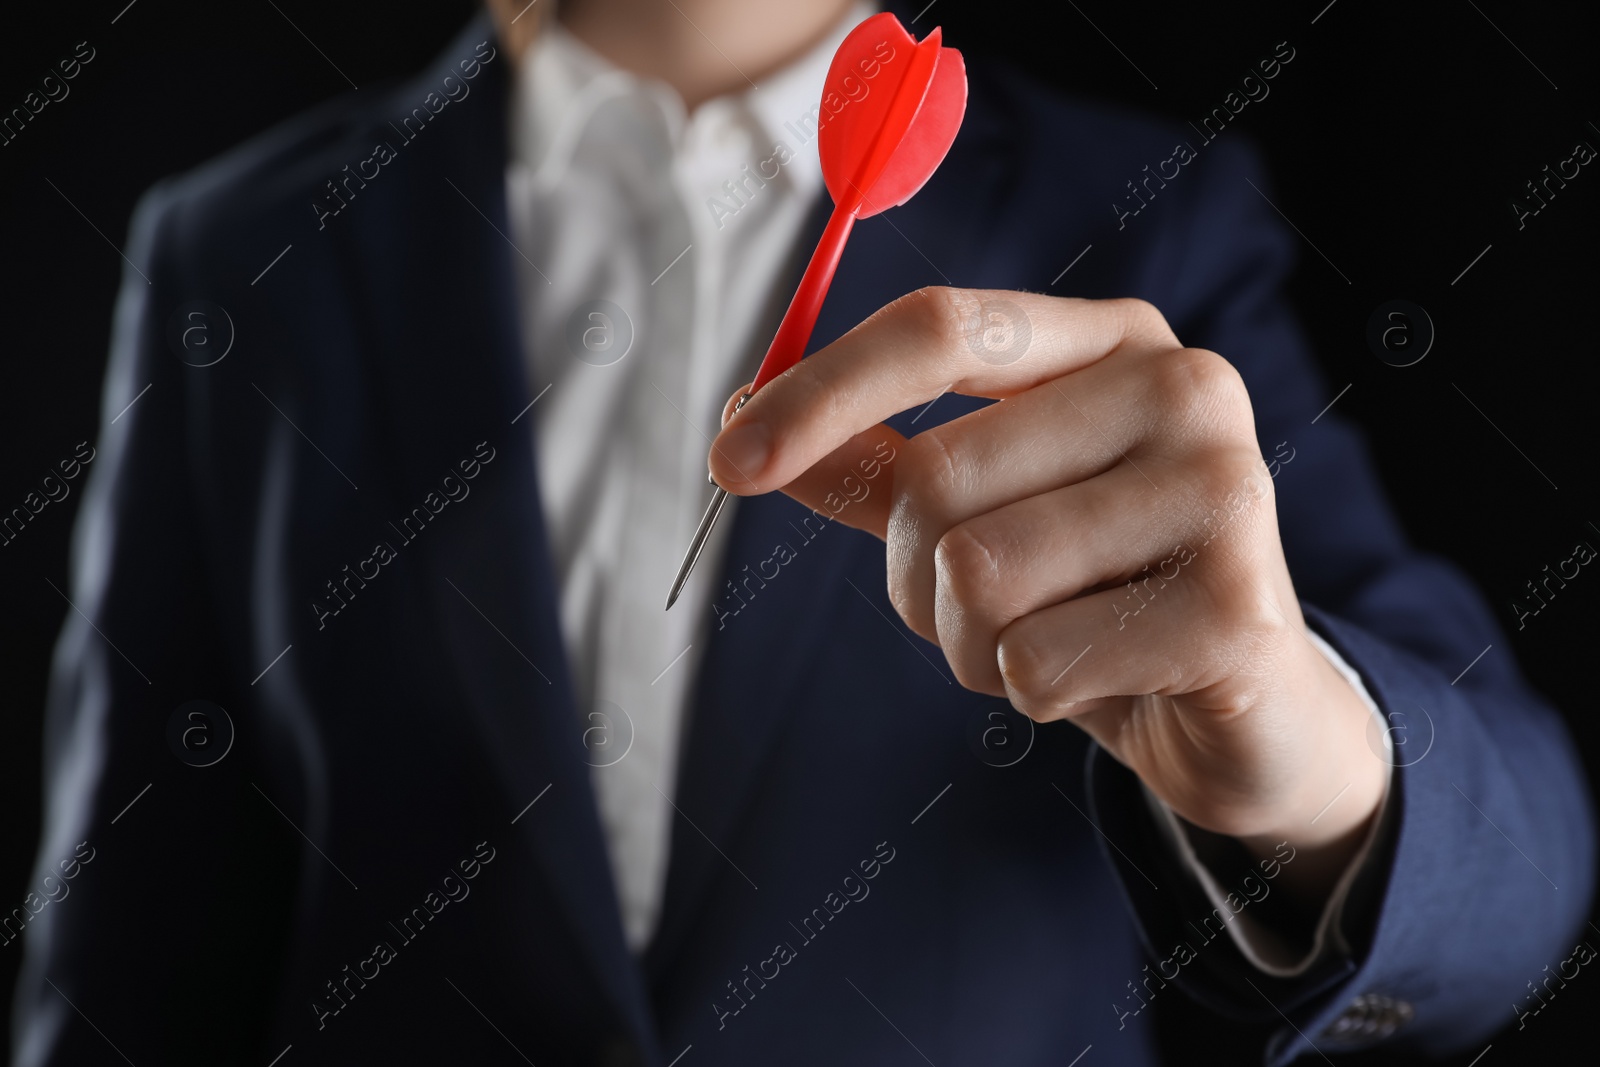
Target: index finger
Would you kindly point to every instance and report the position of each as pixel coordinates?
(990, 343)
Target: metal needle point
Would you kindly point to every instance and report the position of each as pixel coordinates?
(707, 522)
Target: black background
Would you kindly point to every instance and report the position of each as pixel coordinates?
(1397, 138)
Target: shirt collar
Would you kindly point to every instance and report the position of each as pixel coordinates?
(561, 82)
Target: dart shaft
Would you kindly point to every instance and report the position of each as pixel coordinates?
(708, 521)
(794, 332)
(698, 545)
(788, 346)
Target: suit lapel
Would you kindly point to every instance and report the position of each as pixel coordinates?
(440, 298)
(428, 256)
(744, 694)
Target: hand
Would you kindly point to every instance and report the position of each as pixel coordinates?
(1100, 545)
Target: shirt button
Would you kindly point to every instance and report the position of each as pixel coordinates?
(1369, 1017)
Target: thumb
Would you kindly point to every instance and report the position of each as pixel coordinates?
(852, 483)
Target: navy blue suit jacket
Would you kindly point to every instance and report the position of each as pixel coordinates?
(399, 859)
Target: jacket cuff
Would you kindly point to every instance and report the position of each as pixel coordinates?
(1262, 937)
(1485, 817)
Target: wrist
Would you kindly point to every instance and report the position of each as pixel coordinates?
(1340, 789)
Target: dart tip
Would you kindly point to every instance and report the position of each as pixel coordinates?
(707, 521)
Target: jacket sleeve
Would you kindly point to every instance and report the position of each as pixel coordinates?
(1485, 867)
(136, 934)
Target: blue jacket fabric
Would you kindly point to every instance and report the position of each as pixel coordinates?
(398, 857)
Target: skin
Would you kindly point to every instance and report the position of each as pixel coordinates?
(1012, 533)
(1114, 453)
(702, 48)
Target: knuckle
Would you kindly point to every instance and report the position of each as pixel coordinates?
(900, 589)
(939, 314)
(1251, 629)
(968, 571)
(1028, 670)
(1225, 385)
(1217, 382)
(1144, 318)
(1172, 382)
(936, 482)
(1138, 310)
(1259, 633)
(901, 579)
(1236, 600)
(928, 489)
(1195, 382)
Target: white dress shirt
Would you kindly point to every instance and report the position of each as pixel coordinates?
(684, 225)
(652, 244)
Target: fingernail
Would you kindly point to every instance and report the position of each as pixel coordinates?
(745, 448)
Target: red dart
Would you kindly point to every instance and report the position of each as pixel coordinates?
(880, 140)
(891, 107)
